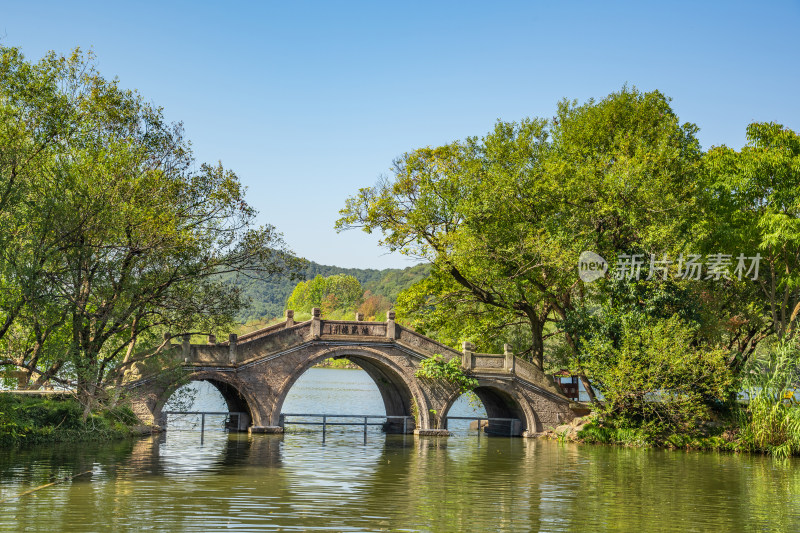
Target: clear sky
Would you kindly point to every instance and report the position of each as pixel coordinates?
(308, 101)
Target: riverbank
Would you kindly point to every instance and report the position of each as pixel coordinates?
(741, 432)
(28, 420)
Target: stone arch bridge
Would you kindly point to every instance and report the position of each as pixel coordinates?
(255, 372)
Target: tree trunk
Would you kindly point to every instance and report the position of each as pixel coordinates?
(537, 346)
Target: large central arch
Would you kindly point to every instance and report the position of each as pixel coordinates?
(401, 396)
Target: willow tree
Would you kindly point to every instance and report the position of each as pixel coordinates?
(115, 231)
(504, 218)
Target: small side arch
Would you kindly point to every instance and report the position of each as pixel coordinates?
(502, 400)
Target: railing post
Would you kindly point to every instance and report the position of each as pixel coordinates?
(510, 363)
(186, 348)
(391, 327)
(466, 356)
(316, 322)
(359, 317)
(289, 318)
(233, 339)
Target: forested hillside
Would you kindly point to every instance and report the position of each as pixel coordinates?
(268, 298)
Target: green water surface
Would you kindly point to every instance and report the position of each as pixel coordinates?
(295, 482)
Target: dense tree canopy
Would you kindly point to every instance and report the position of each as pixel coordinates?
(752, 205)
(111, 234)
(504, 218)
(334, 293)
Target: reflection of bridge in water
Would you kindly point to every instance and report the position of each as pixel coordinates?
(255, 372)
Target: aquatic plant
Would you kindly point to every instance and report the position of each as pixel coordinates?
(436, 368)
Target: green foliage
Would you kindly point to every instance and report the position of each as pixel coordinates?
(339, 363)
(341, 295)
(770, 422)
(770, 425)
(36, 420)
(111, 233)
(266, 299)
(428, 307)
(751, 204)
(504, 218)
(436, 368)
(653, 375)
(336, 294)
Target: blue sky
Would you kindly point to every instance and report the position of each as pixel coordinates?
(308, 101)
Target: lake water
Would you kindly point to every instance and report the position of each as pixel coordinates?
(297, 482)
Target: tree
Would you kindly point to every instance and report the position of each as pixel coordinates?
(506, 217)
(120, 237)
(751, 206)
(339, 293)
(653, 375)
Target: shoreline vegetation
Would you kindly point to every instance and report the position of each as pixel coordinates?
(740, 432)
(340, 364)
(34, 419)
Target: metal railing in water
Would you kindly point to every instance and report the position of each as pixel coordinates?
(229, 414)
(513, 423)
(326, 421)
(330, 420)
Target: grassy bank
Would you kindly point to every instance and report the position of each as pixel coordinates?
(37, 420)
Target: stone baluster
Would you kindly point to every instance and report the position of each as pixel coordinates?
(466, 357)
(359, 317)
(391, 327)
(233, 339)
(212, 339)
(186, 348)
(289, 318)
(316, 322)
(510, 363)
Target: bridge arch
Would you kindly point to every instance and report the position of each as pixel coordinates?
(236, 396)
(399, 392)
(501, 400)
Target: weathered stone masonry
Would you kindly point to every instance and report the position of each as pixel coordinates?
(255, 372)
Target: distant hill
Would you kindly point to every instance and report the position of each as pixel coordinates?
(268, 298)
